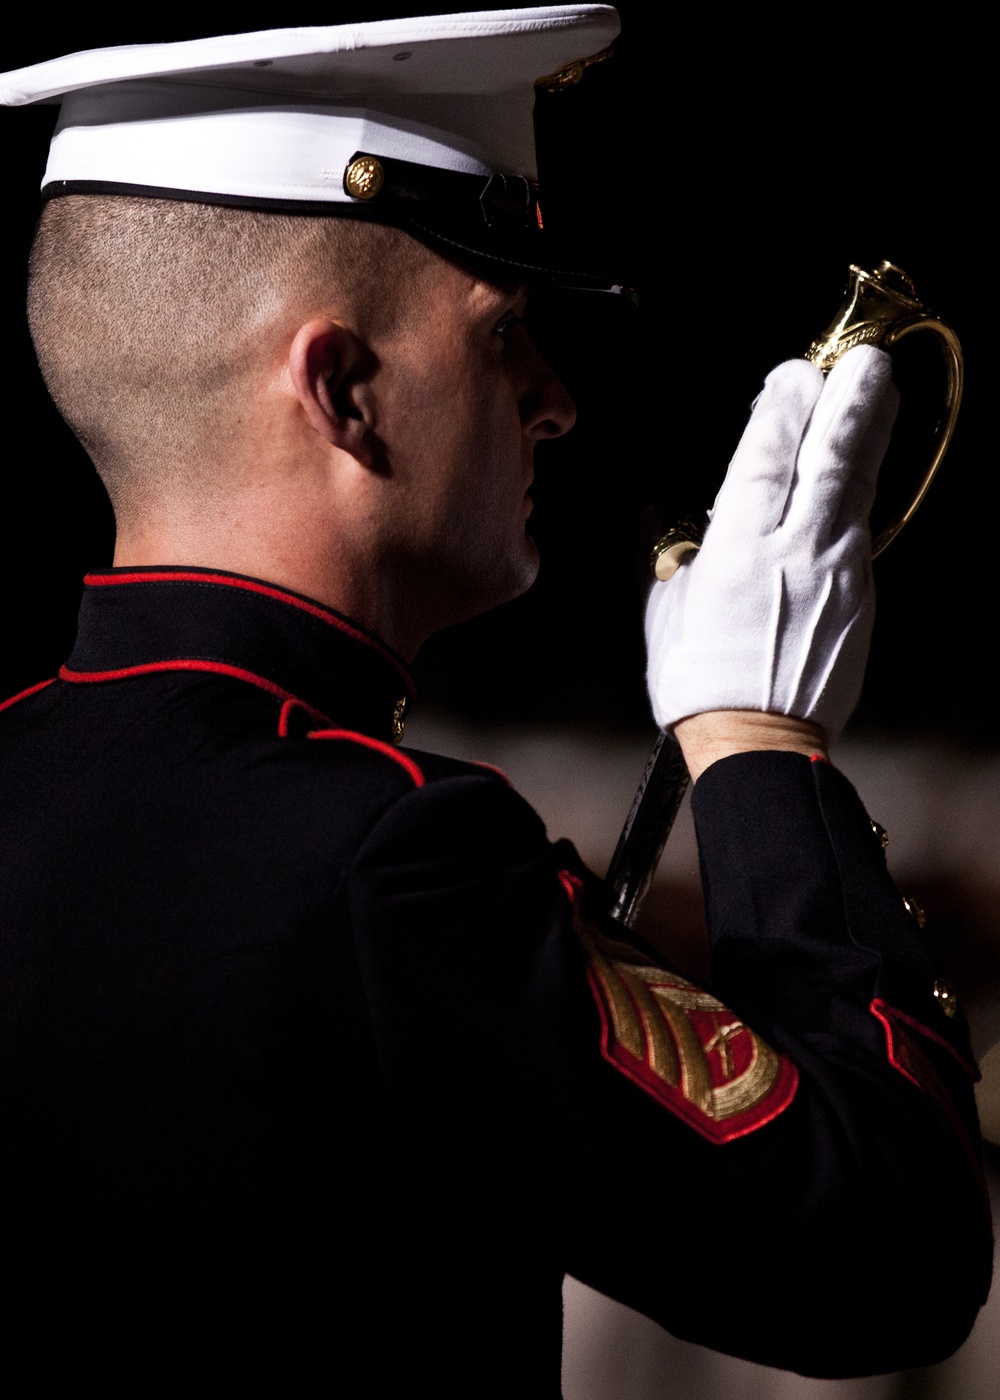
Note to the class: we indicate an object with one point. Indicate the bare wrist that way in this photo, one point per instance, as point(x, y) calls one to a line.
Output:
point(706, 738)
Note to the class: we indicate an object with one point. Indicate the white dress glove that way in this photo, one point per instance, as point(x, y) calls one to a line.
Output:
point(775, 611)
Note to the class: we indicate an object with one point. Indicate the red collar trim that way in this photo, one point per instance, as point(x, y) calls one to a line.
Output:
point(252, 586)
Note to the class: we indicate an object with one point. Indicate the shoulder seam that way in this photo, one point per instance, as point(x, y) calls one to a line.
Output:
point(490, 768)
point(23, 694)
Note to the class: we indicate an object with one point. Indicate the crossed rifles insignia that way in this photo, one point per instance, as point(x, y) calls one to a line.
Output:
point(681, 1044)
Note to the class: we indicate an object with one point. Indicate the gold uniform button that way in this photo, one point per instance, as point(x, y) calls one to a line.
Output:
point(880, 832)
point(945, 997)
point(915, 911)
point(399, 721)
point(364, 177)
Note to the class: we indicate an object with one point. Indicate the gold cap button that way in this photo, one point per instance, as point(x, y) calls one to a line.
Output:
point(570, 74)
point(364, 177)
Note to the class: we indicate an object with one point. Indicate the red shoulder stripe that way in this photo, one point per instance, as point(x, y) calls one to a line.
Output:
point(287, 710)
point(23, 694)
point(366, 741)
point(491, 768)
point(217, 668)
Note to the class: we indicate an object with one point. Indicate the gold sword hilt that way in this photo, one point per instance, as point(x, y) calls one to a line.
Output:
point(880, 308)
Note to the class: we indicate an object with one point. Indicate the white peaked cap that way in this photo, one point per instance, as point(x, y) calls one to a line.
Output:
point(442, 106)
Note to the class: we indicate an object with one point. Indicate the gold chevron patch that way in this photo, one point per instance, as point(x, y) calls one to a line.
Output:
point(682, 1045)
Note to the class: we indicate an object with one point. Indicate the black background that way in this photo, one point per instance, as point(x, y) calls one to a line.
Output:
point(734, 169)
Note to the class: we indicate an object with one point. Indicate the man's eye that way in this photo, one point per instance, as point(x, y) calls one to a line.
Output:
point(502, 327)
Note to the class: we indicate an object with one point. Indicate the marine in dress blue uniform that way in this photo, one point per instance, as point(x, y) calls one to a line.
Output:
point(317, 1051)
point(321, 1064)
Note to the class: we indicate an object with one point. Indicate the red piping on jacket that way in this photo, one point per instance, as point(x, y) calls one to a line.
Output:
point(287, 710)
point(216, 668)
point(879, 1007)
point(353, 737)
point(890, 1045)
point(572, 884)
point(23, 694)
point(931, 1083)
point(250, 586)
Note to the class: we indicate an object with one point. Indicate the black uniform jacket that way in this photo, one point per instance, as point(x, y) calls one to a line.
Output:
point(319, 1062)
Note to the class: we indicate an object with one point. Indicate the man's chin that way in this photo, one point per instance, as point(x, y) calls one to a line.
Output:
point(529, 562)
point(511, 578)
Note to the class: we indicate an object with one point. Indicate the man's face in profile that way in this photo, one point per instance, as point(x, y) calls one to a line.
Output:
point(467, 398)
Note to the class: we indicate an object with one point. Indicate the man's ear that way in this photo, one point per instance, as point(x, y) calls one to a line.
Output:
point(328, 365)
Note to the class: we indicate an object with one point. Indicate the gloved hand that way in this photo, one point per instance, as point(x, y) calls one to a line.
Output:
point(775, 611)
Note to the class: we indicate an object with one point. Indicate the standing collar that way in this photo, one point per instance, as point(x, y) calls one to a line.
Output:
point(136, 622)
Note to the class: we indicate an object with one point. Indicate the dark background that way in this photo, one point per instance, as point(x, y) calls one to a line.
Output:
point(733, 171)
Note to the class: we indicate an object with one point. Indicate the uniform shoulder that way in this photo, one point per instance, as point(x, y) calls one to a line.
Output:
point(346, 771)
point(438, 767)
point(401, 804)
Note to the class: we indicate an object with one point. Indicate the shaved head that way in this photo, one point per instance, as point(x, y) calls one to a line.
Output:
point(322, 402)
point(153, 320)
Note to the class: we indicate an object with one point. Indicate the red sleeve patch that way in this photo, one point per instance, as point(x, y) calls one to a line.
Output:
point(903, 1049)
point(906, 1044)
point(681, 1045)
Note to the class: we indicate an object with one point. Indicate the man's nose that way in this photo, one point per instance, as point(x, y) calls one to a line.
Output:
point(547, 410)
